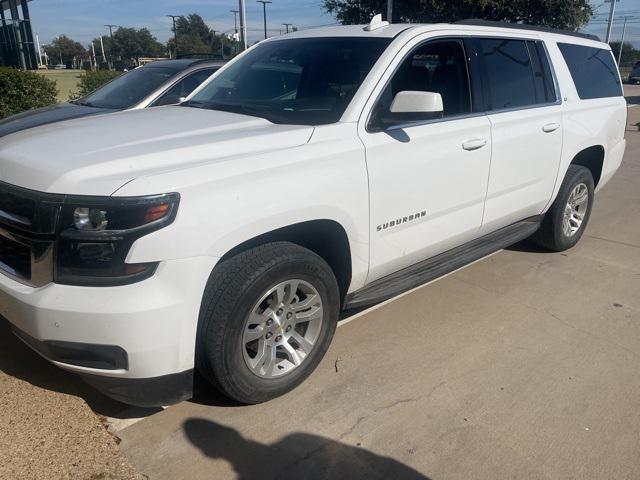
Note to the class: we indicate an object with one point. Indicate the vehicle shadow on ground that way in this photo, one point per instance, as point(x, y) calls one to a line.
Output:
point(19, 361)
point(299, 455)
point(635, 100)
point(527, 246)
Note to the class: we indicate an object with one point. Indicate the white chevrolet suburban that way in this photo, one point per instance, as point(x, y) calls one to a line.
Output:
point(318, 171)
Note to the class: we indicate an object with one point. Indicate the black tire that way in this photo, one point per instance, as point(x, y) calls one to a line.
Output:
point(551, 235)
point(231, 293)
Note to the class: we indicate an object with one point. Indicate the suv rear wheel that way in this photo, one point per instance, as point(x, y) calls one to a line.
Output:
point(566, 220)
point(267, 319)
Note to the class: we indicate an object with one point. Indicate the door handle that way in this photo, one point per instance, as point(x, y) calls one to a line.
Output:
point(550, 127)
point(474, 144)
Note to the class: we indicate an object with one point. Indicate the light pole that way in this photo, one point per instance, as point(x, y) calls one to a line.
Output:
point(104, 56)
point(612, 11)
point(264, 14)
point(235, 19)
point(243, 24)
point(390, 11)
point(288, 25)
point(110, 27)
point(175, 32)
point(624, 30)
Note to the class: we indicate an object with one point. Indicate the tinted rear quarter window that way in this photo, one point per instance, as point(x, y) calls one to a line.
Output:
point(593, 70)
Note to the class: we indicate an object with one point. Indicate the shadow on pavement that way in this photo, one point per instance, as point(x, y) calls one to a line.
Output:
point(19, 361)
point(296, 456)
point(634, 100)
point(527, 246)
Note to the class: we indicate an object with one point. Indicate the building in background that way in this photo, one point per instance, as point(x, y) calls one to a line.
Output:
point(17, 48)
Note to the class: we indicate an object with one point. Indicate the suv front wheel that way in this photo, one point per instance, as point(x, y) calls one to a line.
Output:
point(566, 220)
point(267, 319)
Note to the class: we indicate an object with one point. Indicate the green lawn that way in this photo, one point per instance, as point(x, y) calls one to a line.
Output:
point(66, 80)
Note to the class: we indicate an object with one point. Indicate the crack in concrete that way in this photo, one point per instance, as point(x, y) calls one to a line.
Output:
point(284, 473)
point(613, 241)
point(377, 410)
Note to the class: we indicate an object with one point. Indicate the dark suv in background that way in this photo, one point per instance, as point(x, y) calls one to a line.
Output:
point(164, 82)
point(634, 76)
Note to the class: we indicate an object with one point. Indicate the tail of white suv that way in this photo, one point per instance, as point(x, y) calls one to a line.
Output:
point(318, 171)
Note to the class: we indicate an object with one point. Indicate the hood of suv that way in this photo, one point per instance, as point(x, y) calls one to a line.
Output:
point(97, 155)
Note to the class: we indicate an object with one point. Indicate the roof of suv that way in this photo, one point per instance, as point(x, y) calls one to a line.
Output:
point(390, 31)
point(184, 63)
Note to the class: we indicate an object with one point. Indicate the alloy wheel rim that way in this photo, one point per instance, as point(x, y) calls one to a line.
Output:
point(575, 210)
point(282, 328)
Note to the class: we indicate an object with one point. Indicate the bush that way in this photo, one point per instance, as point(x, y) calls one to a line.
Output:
point(23, 90)
point(91, 81)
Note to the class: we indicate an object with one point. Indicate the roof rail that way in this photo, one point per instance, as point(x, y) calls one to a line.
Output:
point(520, 26)
point(200, 56)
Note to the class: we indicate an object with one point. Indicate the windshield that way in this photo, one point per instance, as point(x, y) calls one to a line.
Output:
point(308, 81)
point(128, 89)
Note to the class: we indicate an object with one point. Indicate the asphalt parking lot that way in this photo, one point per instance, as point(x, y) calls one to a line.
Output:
point(522, 365)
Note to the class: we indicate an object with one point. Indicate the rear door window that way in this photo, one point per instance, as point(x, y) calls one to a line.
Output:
point(184, 87)
point(509, 73)
point(593, 70)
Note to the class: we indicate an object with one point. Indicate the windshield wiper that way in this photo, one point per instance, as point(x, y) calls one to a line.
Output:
point(84, 103)
point(262, 111)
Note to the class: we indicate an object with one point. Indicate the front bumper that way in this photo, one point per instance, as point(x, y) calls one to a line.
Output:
point(152, 324)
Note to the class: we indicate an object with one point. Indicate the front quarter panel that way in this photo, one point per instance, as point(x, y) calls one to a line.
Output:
point(227, 203)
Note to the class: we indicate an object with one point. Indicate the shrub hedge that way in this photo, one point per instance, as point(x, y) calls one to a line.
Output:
point(23, 90)
point(91, 81)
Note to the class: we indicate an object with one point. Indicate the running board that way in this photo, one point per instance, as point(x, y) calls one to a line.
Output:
point(432, 268)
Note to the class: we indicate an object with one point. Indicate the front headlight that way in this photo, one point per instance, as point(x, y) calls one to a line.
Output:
point(97, 233)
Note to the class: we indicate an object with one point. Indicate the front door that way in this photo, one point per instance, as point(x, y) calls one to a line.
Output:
point(427, 178)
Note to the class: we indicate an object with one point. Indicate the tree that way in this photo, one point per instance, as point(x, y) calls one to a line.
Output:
point(188, 44)
point(130, 44)
point(195, 37)
point(566, 14)
point(630, 54)
point(64, 49)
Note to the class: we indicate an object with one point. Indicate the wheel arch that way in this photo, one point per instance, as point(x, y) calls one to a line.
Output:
point(591, 158)
point(327, 238)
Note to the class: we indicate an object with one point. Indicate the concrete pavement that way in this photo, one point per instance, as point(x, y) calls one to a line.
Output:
point(524, 365)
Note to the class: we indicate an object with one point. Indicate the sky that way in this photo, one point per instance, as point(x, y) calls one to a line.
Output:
point(84, 20)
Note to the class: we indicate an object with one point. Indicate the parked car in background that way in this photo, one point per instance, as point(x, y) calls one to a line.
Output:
point(323, 170)
point(634, 76)
point(164, 82)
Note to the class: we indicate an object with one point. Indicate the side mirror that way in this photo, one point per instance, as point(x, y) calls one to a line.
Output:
point(417, 102)
point(407, 106)
point(169, 100)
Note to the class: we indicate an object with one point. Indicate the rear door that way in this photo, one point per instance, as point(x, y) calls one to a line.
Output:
point(522, 104)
